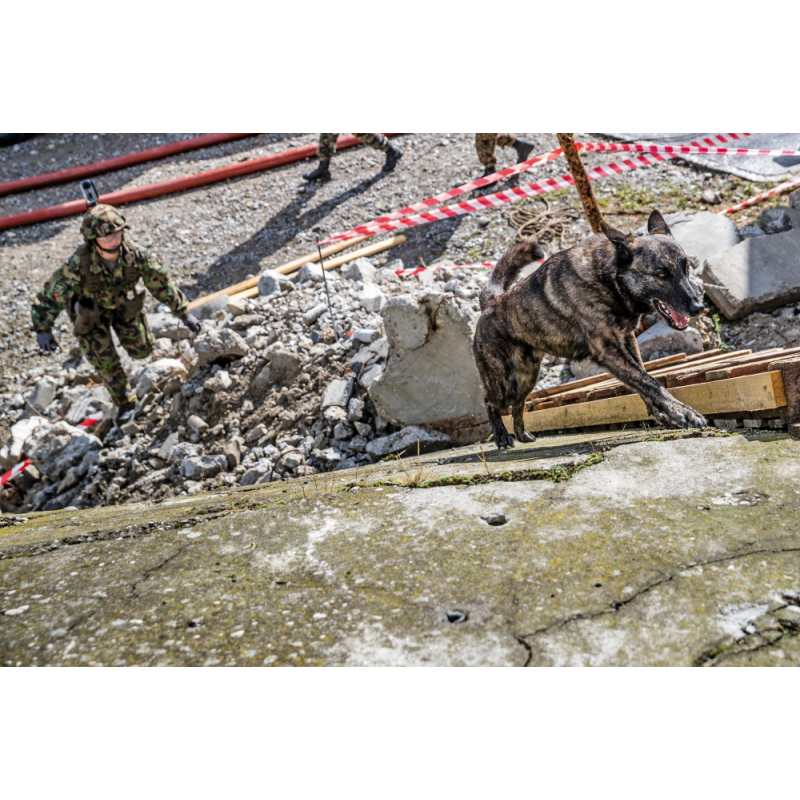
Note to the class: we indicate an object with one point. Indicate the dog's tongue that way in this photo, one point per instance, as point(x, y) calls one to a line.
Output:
point(678, 319)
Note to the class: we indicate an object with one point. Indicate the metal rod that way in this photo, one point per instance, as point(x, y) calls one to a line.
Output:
point(327, 293)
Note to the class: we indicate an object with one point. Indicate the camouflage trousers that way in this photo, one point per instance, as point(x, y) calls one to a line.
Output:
point(99, 349)
point(327, 143)
point(485, 144)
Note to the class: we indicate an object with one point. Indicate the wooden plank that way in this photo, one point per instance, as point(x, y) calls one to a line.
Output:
point(662, 375)
point(698, 375)
point(249, 283)
point(749, 392)
point(605, 376)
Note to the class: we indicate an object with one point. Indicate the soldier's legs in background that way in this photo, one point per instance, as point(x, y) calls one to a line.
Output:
point(327, 146)
point(484, 145)
point(135, 336)
point(377, 141)
point(99, 349)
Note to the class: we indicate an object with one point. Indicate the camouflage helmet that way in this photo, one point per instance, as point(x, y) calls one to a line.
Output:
point(102, 220)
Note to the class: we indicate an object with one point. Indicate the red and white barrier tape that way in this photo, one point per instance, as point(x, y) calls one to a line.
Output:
point(89, 421)
point(780, 188)
point(14, 471)
point(383, 223)
point(23, 465)
point(478, 183)
point(677, 150)
point(501, 198)
point(391, 222)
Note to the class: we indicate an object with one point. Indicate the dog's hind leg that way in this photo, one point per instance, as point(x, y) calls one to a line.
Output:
point(527, 375)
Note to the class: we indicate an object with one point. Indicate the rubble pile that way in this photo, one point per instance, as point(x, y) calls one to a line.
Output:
point(266, 391)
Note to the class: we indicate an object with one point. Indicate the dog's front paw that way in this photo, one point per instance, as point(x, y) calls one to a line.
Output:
point(503, 440)
point(527, 436)
point(674, 414)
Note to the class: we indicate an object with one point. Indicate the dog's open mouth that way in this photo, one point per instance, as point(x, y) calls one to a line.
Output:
point(673, 318)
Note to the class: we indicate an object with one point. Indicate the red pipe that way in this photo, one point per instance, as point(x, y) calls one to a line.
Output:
point(87, 170)
point(176, 185)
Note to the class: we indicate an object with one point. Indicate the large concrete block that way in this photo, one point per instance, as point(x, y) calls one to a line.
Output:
point(703, 234)
point(759, 274)
point(662, 339)
point(431, 378)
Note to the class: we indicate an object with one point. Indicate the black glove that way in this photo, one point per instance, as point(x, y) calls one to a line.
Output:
point(47, 342)
point(190, 321)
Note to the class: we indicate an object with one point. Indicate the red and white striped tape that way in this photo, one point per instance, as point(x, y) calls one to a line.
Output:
point(780, 188)
point(478, 183)
point(14, 471)
point(501, 198)
point(677, 150)
point(89, 421)
point(391, 222)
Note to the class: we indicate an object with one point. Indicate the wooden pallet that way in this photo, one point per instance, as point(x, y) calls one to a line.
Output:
point(734, 389)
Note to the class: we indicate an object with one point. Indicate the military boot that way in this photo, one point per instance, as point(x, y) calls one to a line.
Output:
point(523, 149)
point(393, 155)
point(124, 415)
point(321, 173)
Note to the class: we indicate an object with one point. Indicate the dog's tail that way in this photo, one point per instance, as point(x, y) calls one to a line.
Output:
point(507, 269)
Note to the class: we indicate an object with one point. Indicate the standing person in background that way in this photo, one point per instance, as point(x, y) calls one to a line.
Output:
point(485, 144)
point(327, 147)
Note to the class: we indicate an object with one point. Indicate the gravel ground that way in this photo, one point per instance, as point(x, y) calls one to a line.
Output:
point(217, 235)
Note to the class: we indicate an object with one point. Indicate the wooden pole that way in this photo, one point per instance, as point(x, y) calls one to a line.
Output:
point(370, 250)
point(582, 184)
point(283, 269)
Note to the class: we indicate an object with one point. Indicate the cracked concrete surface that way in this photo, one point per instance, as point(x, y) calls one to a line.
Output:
point(679, 552)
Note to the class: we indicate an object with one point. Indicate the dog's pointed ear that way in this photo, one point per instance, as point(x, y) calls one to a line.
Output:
point(657, 225)
point(622, 242)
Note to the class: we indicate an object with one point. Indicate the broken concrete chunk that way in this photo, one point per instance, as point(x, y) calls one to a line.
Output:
point(166, 374)
point(254, 434)
point(197, 424)
point(168, 445)
point(167, 326)
point(775, 220)
point(281, 370)
point(236, 306)
point(213, 309)
point(58, 447)
point(195, 468)
point(430, 376)
point(309, 272)
point(662, 339)
point(362, 269)
point(270, 283)
point(337, 393)
point(794, 200)
point(750, 231)
point(313, 314)
point(335, 413)
point(260, 472)
point(232, 450)
point(406, 439)
point(183, 450)
point(44, 392)
point(371, 298)
point(355, 409)
point(758, 275)
point(702, 234)
point(370, 375)
point(219, 346)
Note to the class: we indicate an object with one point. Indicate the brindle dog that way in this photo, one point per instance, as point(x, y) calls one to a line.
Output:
point(585, 302)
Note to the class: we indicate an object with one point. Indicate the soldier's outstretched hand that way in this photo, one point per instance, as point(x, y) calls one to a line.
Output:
point(191, 322)
point(47, 342)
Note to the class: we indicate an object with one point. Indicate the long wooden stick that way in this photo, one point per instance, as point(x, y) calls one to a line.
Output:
point(291, 266)
point(582, 184)
point(371, 250)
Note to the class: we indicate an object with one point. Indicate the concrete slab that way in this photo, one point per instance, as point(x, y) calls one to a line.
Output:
point(675, 552)
point(759, 274)
point(754, 168)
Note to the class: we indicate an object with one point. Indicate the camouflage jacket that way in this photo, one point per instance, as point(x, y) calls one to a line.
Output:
point(75, 279)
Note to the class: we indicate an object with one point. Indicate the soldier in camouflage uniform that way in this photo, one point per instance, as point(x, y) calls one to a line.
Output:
point(97, 287)
point(486, 142)
point(327, 147)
